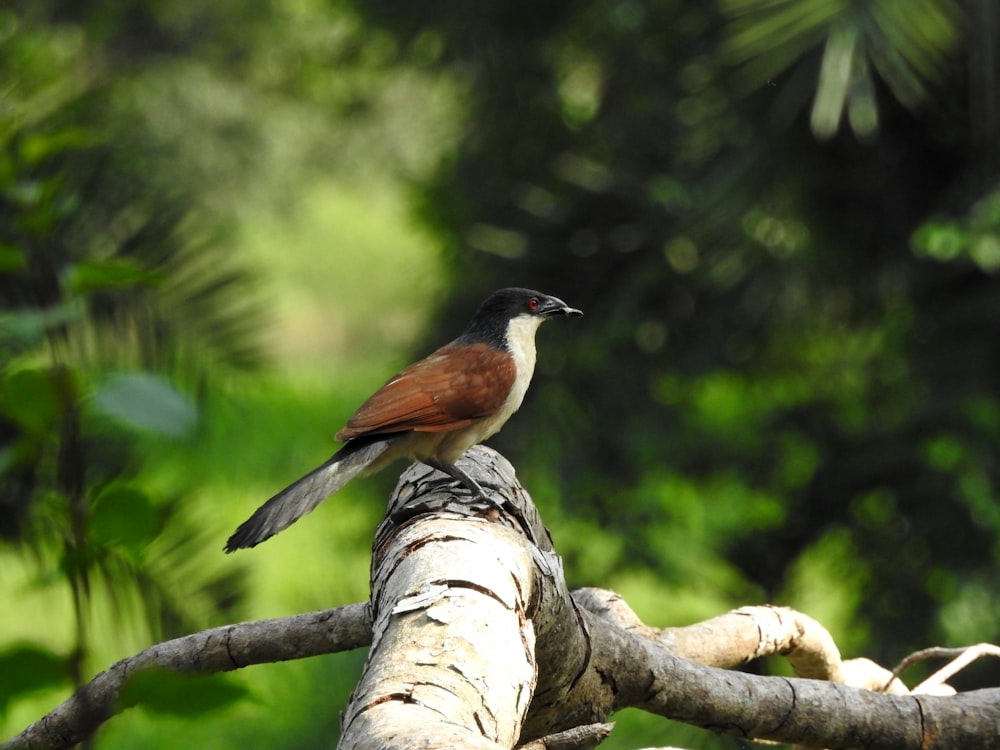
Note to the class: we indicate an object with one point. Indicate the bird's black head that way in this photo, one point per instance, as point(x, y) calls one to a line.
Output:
point(492, 319)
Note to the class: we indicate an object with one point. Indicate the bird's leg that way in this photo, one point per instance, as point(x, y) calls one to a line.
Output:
point(465, 480)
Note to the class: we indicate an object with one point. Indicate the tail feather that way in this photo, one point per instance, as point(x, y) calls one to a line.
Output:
point(300, 497)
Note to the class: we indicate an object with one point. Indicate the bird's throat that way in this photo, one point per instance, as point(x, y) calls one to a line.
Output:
point(521, 345)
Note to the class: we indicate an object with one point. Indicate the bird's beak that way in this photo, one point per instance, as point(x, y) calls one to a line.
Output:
point(552, 306)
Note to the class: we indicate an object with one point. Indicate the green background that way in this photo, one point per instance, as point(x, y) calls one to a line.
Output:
point(222, 226)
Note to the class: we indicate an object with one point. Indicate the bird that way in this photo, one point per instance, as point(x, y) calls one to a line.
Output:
point(432, 411)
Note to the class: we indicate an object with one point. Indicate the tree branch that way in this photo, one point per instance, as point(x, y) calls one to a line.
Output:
point(748, 633)
point(216, 650)
point(477, 642)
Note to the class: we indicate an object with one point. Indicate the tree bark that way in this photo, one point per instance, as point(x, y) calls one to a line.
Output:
point(216, 650)
point(476, 642)
point(436, 552)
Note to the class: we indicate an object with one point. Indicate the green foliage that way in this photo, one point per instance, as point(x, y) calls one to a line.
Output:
point(827, 580)
point(30, 400)
point(124, 156)
point(183, 695)
point(904, 45)
point(976, 237)
point(106, 273)
point(112, 309)
point(145, 402)
point(123, 516)
point(26, 668)
point(22, 329)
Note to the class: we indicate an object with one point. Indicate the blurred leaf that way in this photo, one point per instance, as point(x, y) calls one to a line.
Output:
point(178, 694)
point(30, 399)
point(984, 413)
point(985, 250)
point(944, 452)
point(905, 43)
point(25, 668)
point(111, 273)
point(146, 402)
point(110, 257)
point(73, 562)
point(36, 147)
point(27, 327)
point(834, 79)
point(827, 582)
point(123, 515)
point(941, 240)
point(26, 193)
point(975, 236)
point(11, 258)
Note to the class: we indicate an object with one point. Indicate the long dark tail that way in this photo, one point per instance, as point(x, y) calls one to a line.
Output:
point(293, 502)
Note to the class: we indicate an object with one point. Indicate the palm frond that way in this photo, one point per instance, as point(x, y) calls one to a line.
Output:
point(846, 41)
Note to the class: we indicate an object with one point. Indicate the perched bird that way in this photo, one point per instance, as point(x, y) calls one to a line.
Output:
point(433, 411)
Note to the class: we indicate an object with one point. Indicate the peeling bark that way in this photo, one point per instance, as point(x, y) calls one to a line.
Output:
point(477, 643)
point(593, 656)
point(453, 654)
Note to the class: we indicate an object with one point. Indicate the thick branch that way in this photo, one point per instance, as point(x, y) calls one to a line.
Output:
point(589, 665)
point(452, 662)
point(749, 633)
point(479, 640)
point(794, 710)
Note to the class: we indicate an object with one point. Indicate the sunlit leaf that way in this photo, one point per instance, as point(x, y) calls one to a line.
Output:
point(177, 694)
point(146, 402)
point(834, 79)
point(113, 273)
point(862, 109)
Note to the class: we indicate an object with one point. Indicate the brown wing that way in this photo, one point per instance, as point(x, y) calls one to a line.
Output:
point(448, 390)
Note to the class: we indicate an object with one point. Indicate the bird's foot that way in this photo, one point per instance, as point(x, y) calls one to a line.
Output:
point(487, 492)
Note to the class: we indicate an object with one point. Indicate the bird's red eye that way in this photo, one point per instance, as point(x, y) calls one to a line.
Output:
point(533, 303)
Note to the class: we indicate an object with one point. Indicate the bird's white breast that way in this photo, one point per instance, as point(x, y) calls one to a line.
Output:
point(521, 345)
point(521, 341)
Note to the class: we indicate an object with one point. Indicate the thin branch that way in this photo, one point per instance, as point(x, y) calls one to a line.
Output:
point(219, 649)
point(577, 738)
point(961, 658)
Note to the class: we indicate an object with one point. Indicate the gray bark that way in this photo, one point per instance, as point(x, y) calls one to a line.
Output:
point(476, 642)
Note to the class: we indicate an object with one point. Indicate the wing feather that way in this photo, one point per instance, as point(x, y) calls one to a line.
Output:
point(448, 390)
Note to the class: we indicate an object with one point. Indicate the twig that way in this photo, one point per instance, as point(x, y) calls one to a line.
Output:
point(960, 659)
